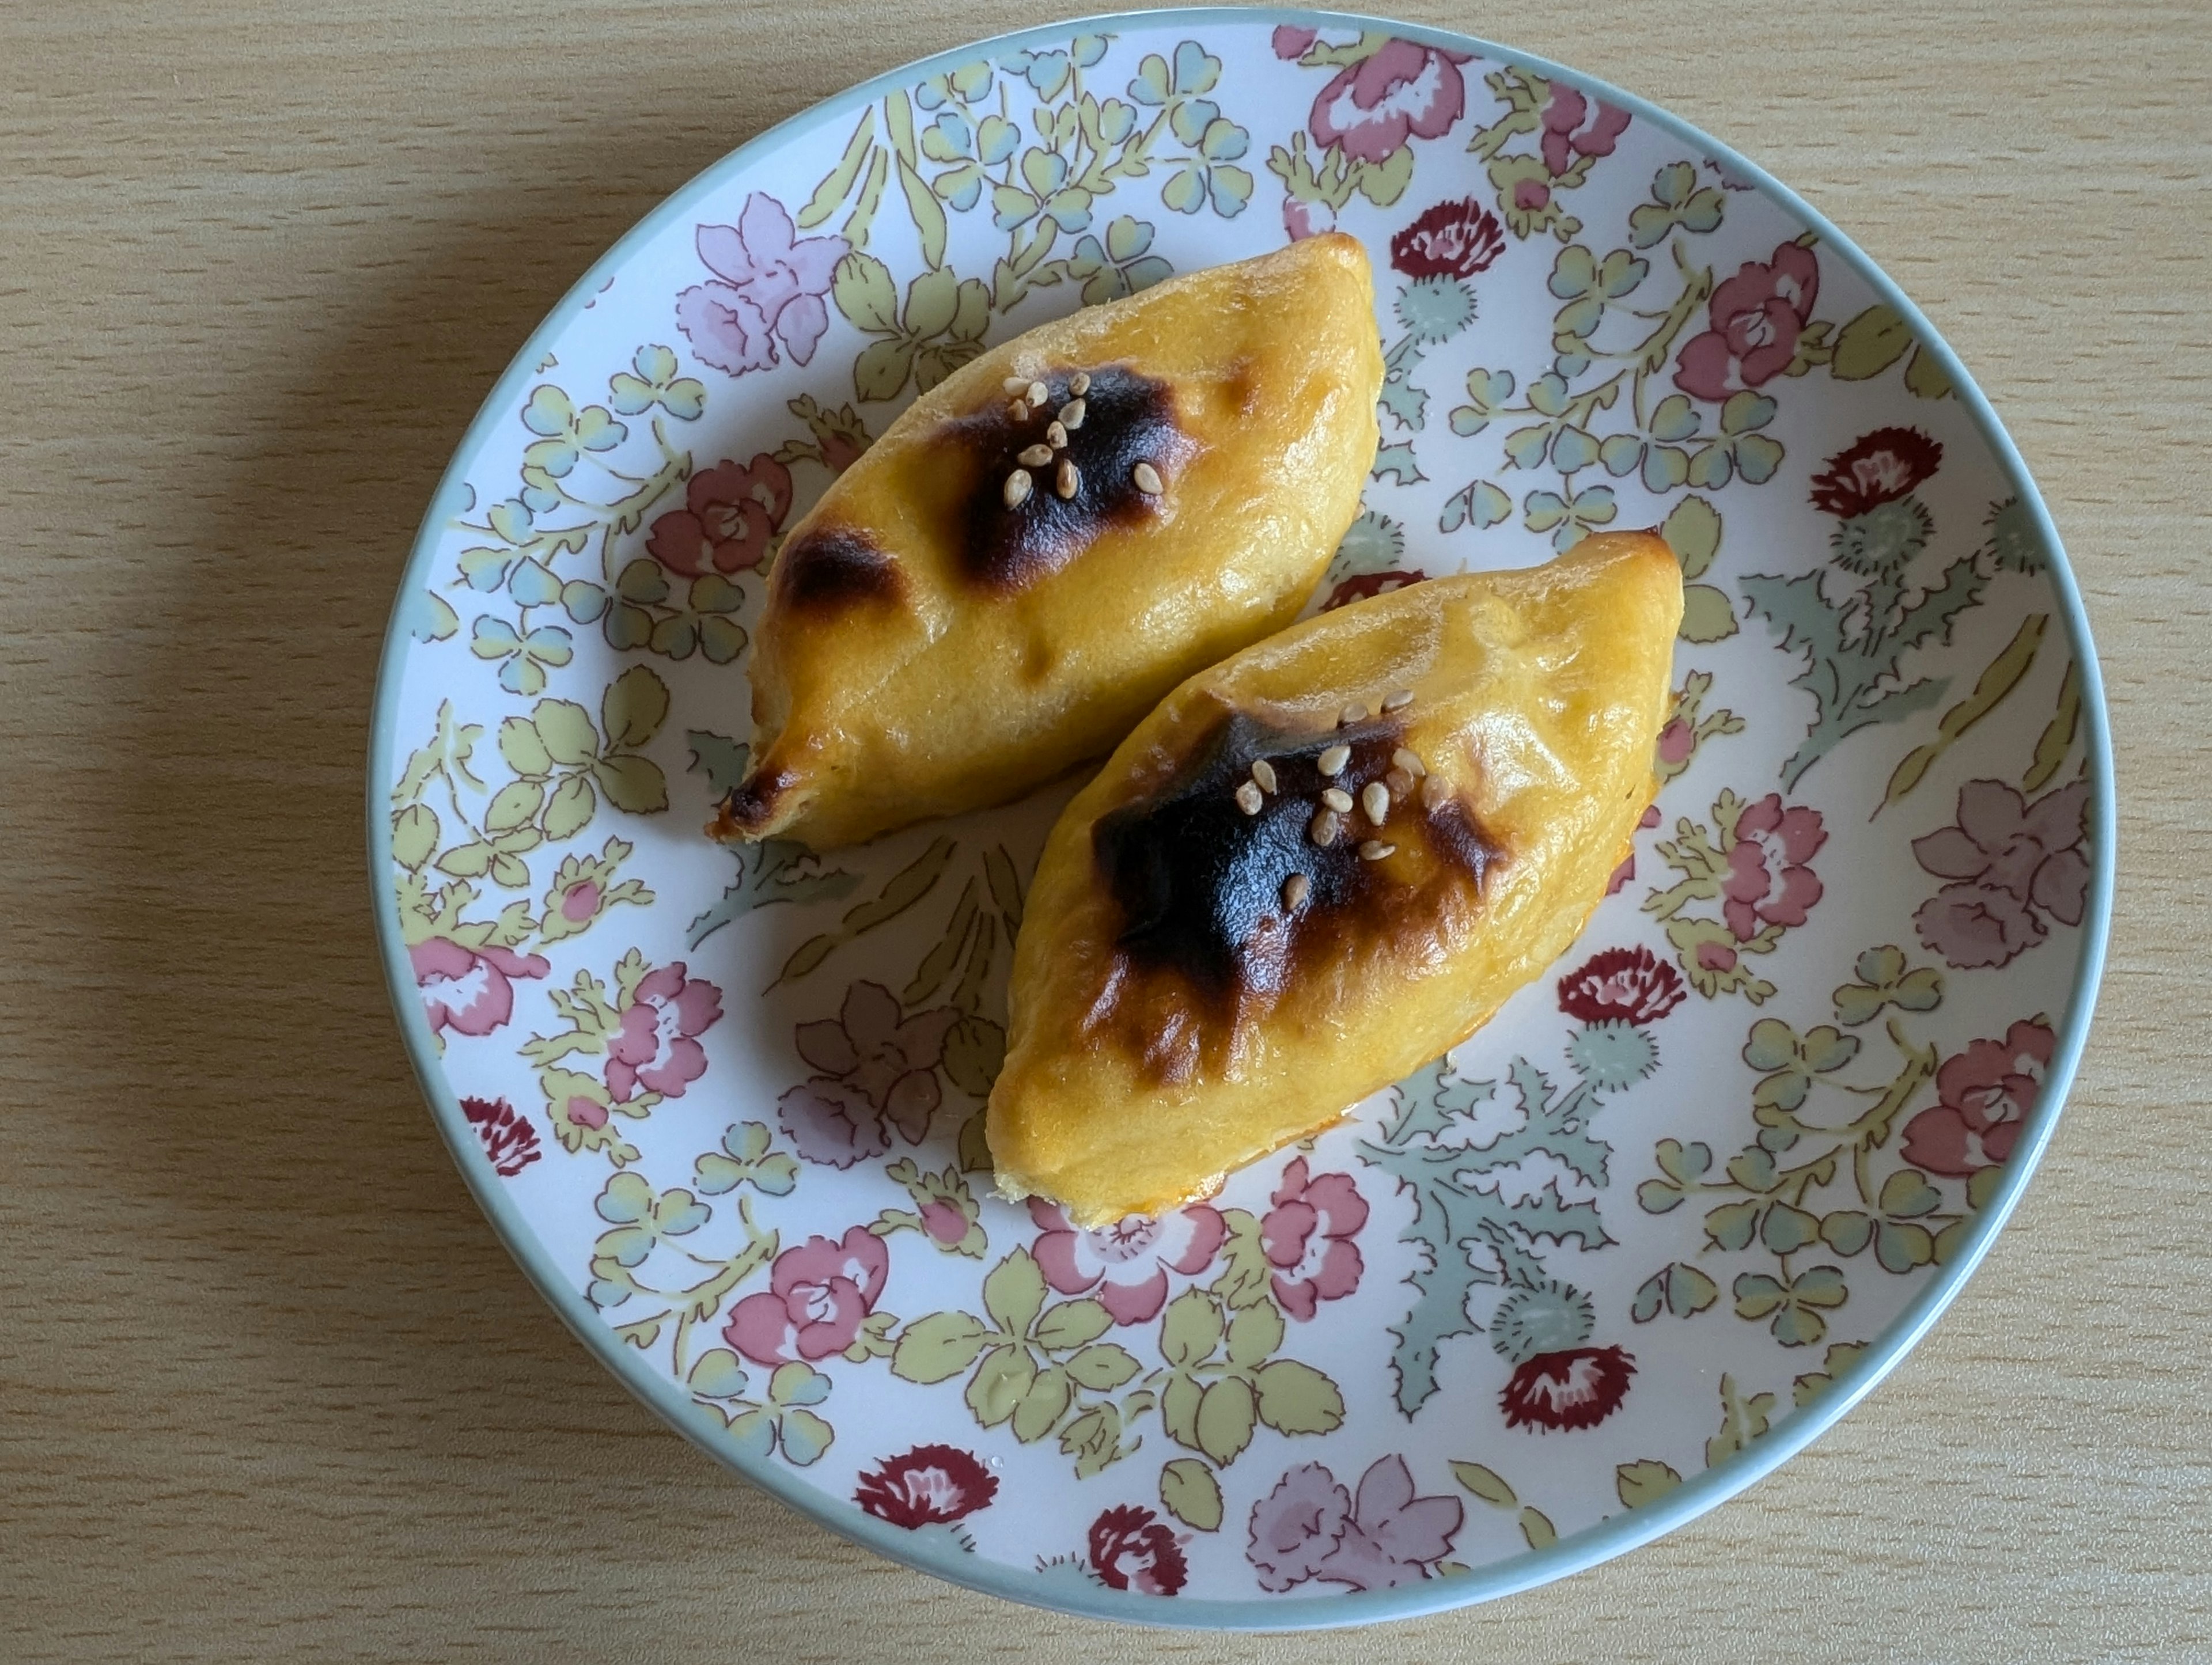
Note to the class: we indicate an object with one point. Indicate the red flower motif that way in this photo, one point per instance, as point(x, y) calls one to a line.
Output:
point(1307, 1237)
point(1126, 1264)
point(1401, 90)
point(878, 1070)
point(930, 1485)
point(1888, 464)
point(509, 1141)
point(817, 1294)
point(2006, 857)
point(1132, 1548)
point(467, 990)
point(1452, 240)
point(657, 1048)
point(1577, 1389)
point(1361, 585)
point(1988, 1092)
point(1768, 881)
point(1578, 126)
point(1622, 985)
point(730, 511)
point(1756, 317)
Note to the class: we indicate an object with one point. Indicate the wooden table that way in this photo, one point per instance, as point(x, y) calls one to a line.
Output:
point(269, 1387)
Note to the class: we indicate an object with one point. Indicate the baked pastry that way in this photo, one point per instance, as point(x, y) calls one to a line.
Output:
point(1052, 538)
point(1322, 863)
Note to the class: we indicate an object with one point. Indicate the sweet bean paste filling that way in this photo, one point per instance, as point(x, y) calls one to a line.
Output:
point(1201, 884)
point(1127, 418)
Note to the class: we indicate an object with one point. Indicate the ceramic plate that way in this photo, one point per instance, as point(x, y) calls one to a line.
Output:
point(1662, 1221)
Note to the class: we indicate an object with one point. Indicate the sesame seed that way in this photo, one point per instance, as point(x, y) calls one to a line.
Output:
point(1055, 436)
point(1332, 761)
point(1017, 412)
point(1399, 701)
point(1354, 712)
point(1433, 793)
point(1338, 799)
point(1249, 799)
point(1079, 383)
point(1401, 785)
point(1073, 412)
point(1375, 799)
point(1296, 888)
point(1264, 773)
point(1015, 383)
point(1038, 394)
point(1147, 478)
point(1374, 849)
point(1406, 760)
point(1036, 456)
point(1322, 829)
point(1018, 488)
point(1067, 480)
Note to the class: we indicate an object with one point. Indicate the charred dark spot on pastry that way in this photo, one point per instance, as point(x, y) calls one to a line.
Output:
point(1231, 899)
point(750, 803)
point(1042, 489)
point(834, 567)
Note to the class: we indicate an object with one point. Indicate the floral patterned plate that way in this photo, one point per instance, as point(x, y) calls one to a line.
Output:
point(1669, 1215)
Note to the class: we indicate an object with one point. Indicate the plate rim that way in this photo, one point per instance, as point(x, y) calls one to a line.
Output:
point(1616, 1534)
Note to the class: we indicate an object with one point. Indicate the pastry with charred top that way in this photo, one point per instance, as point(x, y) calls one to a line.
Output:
point(1052, 538)
point(1321, 864)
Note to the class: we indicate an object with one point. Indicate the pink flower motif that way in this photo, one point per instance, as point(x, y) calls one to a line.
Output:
point(929, 1485)
point(580, 901)
point(657, 1048)
point(1302, 220)
point(509, 1141)
point(1768, 881)
point(586, 1112)
point(1988, 1092)
point(730, 511)
point(1715, 957)
point(816, 1297)
point(2006, 857)
point(875, 1067)
point(1402, 90)
point(1530, 195)
point(944, 1222)
point(1577, 126)
point(467, 990)
point(767, 288)
point(1625, 873)
point(1579, 1387)
point(1307, 1237)
point(1677, 741)
point(1310, 1527)
point(1291, 42)
point(1126, 1264)
point(1755, 319)
point(1132, 1548)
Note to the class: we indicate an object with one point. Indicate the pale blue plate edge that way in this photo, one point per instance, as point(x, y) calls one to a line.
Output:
point(1610, 1537)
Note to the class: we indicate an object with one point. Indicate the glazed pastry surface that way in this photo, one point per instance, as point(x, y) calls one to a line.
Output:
point(1051, 538)
point(1322, 863)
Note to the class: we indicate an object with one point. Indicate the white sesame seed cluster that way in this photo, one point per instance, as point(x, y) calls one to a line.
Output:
point(1028, 397)
point(1376, 799)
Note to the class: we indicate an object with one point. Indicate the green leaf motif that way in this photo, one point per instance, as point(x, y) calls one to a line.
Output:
point(1190, 1493)
point(939, 1347)
point(1227, 1411)
point(1486, 1483)
point(1295, 1398)
point(1642, 1483)
point(1013, 1293)
point(1190, 1329)
point(1001, 1381)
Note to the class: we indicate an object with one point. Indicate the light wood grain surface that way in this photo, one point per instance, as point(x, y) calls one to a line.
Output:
point(268, 1386)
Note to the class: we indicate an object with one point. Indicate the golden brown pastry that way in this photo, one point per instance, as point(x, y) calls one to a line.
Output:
point(1321, 864)
point(1051, 538)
